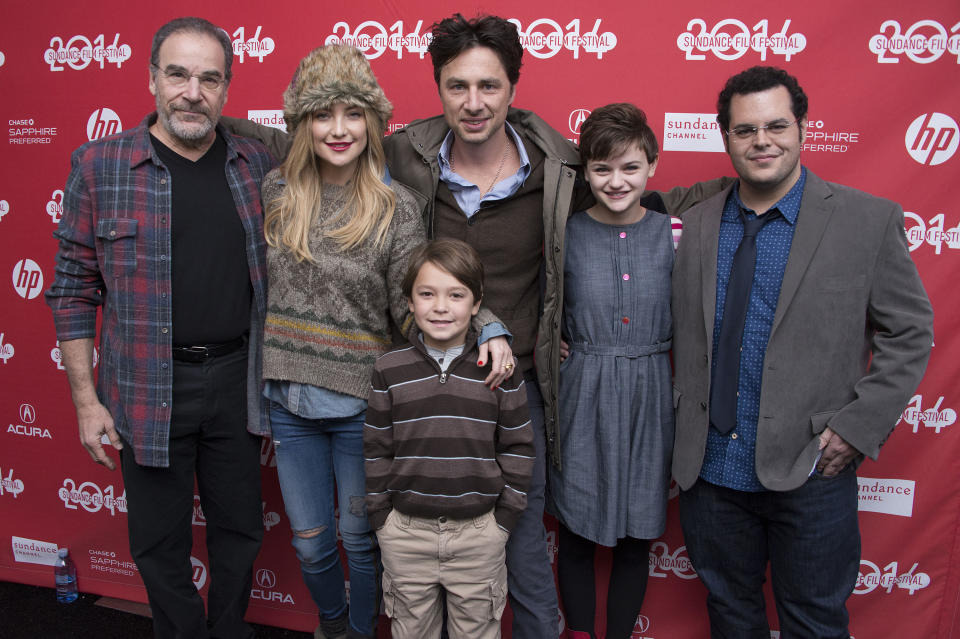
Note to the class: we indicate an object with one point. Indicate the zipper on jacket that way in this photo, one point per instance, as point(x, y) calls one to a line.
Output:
point(442, 374)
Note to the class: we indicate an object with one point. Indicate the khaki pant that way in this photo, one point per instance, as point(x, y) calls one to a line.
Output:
point(424, 557)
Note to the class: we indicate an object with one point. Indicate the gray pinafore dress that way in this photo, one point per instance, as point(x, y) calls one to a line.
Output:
point(616, 411)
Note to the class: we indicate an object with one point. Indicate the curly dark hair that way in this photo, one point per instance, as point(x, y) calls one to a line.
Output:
point(755, 80)
point(609, 130)
point(452, 36)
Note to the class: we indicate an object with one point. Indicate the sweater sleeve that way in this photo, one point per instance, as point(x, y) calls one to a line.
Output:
point(409, 233)
point(270, 188)
point(378, 449)
point(514, 450)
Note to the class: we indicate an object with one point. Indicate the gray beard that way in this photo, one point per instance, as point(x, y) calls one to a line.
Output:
point(191, 137)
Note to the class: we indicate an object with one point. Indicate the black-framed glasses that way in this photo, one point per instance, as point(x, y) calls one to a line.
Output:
point(179, 78)
point(748, 132)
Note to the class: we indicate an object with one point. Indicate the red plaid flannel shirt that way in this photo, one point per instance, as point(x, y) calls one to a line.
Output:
point(115, 241)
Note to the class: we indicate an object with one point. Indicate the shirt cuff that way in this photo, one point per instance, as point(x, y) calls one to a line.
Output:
point(494, 329)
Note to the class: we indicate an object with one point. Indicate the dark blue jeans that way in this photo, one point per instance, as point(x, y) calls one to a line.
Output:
point(530, 584)
point(811, 538)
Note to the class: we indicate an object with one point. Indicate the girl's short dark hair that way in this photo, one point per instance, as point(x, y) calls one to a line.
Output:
point(456, 257)
point(609, 130)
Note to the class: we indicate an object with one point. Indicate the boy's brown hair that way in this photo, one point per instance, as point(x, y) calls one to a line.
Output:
point(457, 258)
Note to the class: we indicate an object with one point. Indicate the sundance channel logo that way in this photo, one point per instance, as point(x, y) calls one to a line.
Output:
point(886, 496)
point(33, 551)
point(268, 117)
point(692, 132)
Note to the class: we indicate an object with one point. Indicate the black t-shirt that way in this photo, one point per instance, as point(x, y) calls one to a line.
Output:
point(210, 278)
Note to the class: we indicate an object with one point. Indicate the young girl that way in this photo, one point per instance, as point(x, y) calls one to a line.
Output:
point(448, 459)
point(615, 434)
point(339, 239)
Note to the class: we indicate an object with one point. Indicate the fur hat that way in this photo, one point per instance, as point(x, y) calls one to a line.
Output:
point(334, 73)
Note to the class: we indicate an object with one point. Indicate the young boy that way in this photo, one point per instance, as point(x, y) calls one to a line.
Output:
point(448, 460)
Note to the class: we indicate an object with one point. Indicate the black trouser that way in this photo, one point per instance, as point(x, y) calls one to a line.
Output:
point(209, 439)
point(628, 583)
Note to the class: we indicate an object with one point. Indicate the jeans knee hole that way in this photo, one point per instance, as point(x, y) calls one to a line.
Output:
point(309, 533)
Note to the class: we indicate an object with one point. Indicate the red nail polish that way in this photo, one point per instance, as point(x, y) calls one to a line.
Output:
point(480, 363)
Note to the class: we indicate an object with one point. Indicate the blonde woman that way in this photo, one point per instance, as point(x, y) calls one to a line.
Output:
point(339, 234)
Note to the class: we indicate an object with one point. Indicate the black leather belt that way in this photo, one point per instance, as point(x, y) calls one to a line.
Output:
point(206, 351)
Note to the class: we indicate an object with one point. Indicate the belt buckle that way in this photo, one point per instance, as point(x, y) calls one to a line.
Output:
point(200, 351)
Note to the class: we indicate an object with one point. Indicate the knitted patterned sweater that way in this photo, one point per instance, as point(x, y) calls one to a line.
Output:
point(442, 443)
point(329, 320)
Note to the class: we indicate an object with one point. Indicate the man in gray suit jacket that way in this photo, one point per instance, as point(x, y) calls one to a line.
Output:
point(797, 345)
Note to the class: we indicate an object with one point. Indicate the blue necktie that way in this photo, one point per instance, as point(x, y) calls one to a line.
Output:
point(726, 375)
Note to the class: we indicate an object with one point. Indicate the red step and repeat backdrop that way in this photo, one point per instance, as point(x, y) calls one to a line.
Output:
point(884, 86)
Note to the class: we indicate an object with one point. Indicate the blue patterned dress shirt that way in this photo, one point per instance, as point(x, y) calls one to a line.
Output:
point(730, 459)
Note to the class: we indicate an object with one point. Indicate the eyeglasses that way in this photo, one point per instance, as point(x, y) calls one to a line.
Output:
point(748, 132)
point(179, 78)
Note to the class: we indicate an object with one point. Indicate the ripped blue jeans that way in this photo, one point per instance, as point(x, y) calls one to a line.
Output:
point(320, 464)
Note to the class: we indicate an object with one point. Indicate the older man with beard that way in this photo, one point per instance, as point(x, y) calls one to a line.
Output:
point(162, 228)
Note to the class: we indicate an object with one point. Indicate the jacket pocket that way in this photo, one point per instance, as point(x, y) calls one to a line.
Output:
point(119, 239)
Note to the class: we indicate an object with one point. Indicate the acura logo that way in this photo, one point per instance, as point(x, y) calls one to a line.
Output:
point(27, 414)
point(266, 578)
point(642, 624)
point(577, 116)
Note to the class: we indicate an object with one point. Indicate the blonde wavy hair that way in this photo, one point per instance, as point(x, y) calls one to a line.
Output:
point(366, 214)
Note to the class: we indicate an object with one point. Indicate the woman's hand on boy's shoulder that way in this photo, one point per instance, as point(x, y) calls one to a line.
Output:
point(497, 351)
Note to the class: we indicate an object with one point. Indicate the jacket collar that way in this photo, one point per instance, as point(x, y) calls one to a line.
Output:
point(427, 136)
